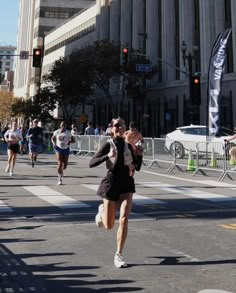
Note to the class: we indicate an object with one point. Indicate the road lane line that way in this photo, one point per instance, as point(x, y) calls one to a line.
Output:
point(55, 198)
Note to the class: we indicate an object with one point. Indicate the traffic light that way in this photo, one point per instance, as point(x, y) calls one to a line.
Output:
point(125, 56)
point(196, 89)
point(37, 57)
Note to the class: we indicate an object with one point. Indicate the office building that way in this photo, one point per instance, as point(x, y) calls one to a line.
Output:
point(177, 36)
point(36, 19)
point(6, 60)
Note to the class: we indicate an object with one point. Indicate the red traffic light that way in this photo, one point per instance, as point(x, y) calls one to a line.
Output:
point(196, 80)
point(125, 50)
point(37, 57)
point(37, 52)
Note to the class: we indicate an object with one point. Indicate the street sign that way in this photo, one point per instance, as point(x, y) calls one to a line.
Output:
point(24, 55)
point(143, 67)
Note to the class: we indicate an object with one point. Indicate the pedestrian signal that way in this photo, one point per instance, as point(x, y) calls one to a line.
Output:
point(37, 57)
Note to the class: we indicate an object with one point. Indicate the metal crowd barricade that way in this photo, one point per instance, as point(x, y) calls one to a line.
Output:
point(76, 146)
point(87, 144)
point(161, 155)
point(230, 162)
point(198, 158)
point(210, 156)
point(148, 150)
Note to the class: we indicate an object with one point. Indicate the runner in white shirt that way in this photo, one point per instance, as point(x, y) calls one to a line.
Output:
point(61, 140)
point(12, 137)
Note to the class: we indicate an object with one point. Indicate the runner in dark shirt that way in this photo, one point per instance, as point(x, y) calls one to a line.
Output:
point(35, 137)
point(117, 187)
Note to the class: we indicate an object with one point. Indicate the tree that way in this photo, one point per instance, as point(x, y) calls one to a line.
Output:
point(31, 108)
point(6, 101)
point(102, 67)
point(65, 86)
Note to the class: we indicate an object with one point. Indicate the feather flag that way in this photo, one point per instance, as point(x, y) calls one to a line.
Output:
point(215, 75)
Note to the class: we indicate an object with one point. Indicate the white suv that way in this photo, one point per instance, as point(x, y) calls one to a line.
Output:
point(184, 138)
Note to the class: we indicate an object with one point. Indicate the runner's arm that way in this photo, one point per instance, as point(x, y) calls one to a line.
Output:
point(100, 156)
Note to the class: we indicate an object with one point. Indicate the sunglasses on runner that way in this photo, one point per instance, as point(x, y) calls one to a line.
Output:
point(118, 125)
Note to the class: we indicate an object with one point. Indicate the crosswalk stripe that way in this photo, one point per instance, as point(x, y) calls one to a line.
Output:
point(55, 198)
point(137, 199)
point(4, 208)
point(189, 192)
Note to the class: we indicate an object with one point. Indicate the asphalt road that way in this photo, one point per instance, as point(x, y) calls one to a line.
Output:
point(182, 232)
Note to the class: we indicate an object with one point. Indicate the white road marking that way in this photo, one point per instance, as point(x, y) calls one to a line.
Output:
point(177, 252)
point(137, 199)
point(214, 291)
point(206, 182)
point(189, 192)
point(4, 208)
point(55, 198)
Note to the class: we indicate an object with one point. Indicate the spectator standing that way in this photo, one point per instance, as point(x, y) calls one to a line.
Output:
point(12, 137)
point(108, 130)
point(103, 130)
point(61, 140)
point(117, 187)
point(74, 130)
point(97, 129)
point(35, 137)
point(134, 137)
point(89, 130)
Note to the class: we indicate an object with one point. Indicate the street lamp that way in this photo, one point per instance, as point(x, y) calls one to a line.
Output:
point(189, 58)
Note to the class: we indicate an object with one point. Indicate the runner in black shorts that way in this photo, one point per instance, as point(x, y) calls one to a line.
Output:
point(12, 137)
point(117, 187)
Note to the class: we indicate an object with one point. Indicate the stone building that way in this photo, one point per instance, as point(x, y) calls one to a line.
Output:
point(160, 30)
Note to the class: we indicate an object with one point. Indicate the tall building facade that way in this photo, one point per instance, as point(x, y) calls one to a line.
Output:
point(176, 35)
point(36, 19)
point(6, 59)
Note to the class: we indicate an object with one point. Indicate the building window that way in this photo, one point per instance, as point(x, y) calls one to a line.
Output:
point(57, 12)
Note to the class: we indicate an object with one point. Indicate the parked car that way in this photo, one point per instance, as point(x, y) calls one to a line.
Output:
point(184, 138)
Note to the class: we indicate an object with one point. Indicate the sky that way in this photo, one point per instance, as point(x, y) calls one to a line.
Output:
point(8, 22)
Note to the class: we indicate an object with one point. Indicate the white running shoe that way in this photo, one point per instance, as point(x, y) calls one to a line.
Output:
point(11, 173)
point(98, 218)
point(7, 169)
point(119, 261)
point(59, 181)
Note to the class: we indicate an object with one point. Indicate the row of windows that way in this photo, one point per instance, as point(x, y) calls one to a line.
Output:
point(73, 32)
point(42, 30)
point(6, 63)
point(71, 39)
point(56, 12)
point(5, 52)
point(6, 68)
point(6, 57)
